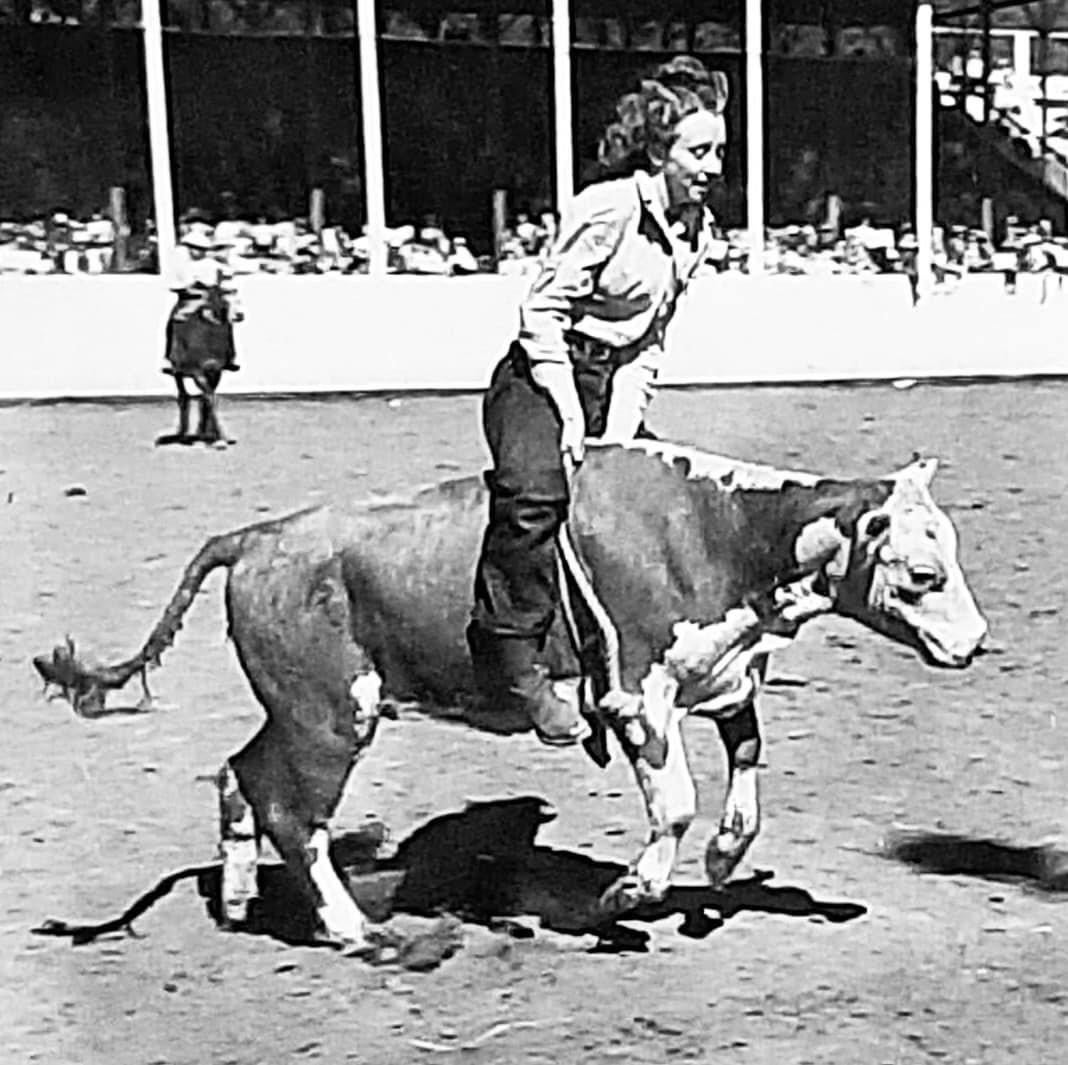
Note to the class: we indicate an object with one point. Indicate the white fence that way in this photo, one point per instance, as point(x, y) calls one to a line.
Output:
point(103, 337)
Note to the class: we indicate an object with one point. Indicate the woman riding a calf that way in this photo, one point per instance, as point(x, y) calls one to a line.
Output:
point(590, 346)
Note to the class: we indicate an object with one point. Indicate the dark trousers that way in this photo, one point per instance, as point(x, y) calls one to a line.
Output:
point(516, 590)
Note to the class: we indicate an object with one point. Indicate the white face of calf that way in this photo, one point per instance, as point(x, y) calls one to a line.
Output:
point(903, 577)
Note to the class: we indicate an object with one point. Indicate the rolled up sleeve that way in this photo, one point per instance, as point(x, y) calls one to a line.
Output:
point(569, 275)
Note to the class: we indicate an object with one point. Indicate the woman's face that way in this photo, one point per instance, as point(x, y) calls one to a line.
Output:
point(695, 158)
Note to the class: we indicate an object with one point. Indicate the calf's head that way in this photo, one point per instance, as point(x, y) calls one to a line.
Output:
point(896, 571)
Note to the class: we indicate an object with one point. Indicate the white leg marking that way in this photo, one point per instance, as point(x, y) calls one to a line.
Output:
point(366, 692)
point(238, 848)
point(738, 826)
point(341, 917)
point(652, 739)
point(671, 804)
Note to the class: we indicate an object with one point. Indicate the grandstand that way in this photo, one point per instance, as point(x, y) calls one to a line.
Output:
point(271, 99)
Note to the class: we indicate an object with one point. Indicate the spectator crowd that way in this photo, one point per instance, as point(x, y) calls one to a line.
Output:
point(63, 244)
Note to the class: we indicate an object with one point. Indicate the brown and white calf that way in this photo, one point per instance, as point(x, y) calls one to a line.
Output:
point(687, 568)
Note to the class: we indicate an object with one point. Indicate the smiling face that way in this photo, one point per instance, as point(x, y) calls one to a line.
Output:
point(694, 159)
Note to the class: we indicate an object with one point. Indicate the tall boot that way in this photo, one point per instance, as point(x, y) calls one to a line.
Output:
point(507, 669)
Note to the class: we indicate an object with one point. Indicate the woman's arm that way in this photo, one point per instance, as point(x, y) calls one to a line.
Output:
point(587, 241)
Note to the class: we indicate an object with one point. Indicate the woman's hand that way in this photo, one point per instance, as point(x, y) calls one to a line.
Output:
point(558, 379)
point(573, 443)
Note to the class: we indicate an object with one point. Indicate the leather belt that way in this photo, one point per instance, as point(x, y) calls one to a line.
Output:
point(585, 350)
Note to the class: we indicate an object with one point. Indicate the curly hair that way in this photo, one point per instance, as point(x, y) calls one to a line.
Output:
point(647, 117)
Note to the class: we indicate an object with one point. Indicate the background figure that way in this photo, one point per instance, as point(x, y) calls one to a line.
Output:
point(200, 332)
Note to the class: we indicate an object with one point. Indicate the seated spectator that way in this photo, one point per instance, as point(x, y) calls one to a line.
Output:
point(432, 236)
point(263, 237)
point(461, 259)
point(231, 227)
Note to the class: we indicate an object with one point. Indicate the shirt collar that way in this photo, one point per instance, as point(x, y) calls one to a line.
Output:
point(650, 197)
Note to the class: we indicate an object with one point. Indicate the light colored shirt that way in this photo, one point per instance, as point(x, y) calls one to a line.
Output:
point(194, 277)
point(189, 272)
point(614, 275)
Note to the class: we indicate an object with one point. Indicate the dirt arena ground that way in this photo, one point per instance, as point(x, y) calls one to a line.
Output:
point(827, 951)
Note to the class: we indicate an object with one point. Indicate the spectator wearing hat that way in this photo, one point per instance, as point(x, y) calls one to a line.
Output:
point(201, 283)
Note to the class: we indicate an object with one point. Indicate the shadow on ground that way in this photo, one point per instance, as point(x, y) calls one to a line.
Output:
point(1041, 868)
point(483, 866)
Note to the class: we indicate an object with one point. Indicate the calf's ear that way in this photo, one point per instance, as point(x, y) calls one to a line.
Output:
point(919, 471)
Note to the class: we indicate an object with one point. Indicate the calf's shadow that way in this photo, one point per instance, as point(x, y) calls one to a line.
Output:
point(481, 864)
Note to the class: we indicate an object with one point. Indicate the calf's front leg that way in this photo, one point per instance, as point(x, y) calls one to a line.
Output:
point(650, 732)
point(740, 821)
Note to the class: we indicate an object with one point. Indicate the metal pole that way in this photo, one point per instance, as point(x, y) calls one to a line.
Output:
point(371, 120)
point(754, 132)
point(565, 160)
point(988, 89)
point(924, 144)
point(159, 140)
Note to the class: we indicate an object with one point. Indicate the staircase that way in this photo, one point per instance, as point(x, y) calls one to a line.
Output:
point(1013, 132)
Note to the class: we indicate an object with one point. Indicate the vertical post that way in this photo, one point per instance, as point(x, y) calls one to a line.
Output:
point(159, 135)
point(1043, 81)
point(492, 148)
point(371, 121)
point(1021, 57)
point(317, 210)
point(988, 89)
point(117, 211)
point(754, 132)
point(565, 163)
point(924, 144)
point(988, 218)
point(500, 224)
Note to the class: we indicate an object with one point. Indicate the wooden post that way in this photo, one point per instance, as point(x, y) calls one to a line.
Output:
point(1043, 38)
point(988, 89)
point(565, 162)
point(924, 145)
point(159, 136)
point(988, 217)
point(494, 170)
point(317, 210)
point(500, 224)
point(117, 210)
point(754, 131)
point(371, 120)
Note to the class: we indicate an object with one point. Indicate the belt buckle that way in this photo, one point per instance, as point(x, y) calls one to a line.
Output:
point(593, 351)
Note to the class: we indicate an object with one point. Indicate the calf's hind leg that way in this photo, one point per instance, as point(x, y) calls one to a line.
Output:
point(239, 849)
point(292, 796)
point(292, 630)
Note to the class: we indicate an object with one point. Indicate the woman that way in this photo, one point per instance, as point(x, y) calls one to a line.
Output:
point(589, 349)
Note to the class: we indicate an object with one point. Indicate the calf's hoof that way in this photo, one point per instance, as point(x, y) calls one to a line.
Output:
point(722, 858)
point(625, 895)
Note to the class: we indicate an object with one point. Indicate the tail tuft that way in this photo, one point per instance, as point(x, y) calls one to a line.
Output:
point(74, 680)
point(85, 686)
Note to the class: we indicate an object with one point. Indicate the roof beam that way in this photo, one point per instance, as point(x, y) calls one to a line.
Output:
point(977, 9)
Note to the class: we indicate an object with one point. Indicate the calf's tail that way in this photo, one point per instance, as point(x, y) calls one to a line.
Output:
point(84, 686)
